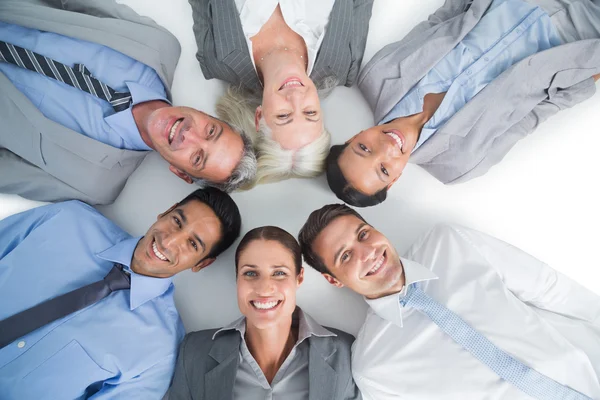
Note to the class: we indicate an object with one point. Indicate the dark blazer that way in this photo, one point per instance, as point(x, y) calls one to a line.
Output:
point(223, 52)
point(206, 368)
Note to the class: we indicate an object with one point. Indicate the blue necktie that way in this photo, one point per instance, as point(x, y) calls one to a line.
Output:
point(511, 370)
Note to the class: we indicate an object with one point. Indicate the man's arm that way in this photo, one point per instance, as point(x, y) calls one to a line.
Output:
point(534, 282)
point(15, 228)
point(150, 384)
point(596, 77)
point(360, 27)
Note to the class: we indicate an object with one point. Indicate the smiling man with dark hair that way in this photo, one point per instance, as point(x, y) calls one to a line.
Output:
point(468, 312)
point(86, 310)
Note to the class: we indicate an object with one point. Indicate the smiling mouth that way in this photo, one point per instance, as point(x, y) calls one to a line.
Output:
point(265, 305)
point(157, 252)
point(398, 138)
point(380, 263)
point(291, 82)
point(174, 129)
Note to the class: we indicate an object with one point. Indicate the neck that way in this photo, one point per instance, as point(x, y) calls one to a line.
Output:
point(431, 103)
point(268, 64)
point(141, 113)
point(271, 346)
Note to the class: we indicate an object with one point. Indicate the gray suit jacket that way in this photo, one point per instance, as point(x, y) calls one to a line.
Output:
point(206, 368)
point(43, 160)
point(223, 53)
point(509, 108)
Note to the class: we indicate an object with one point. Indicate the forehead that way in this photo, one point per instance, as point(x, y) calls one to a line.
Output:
point(201, 220)
point(338, 232)
point(266, 253)
point(297, 134)
point(360, 171)
point(224, 155)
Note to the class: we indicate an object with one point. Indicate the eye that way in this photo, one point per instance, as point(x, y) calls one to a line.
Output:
point(362, 235)
point(177, 221)
point(345, 256)
point(283, 116)
point(249, 274)
point(310, 113)
point(384, 170)
point(212, 131)
point(197, 160)
point(279, 273)
point(194, 245)
point(363, 147)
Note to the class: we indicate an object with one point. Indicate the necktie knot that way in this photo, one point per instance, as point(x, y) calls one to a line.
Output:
point(117, 278)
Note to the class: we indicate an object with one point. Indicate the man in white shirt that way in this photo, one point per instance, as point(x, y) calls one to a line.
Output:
point(534, 317)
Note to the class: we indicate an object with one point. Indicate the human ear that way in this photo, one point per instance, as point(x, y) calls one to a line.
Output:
point(257, 116)
point(332, 280)
point(180, 174)
point(203, 264)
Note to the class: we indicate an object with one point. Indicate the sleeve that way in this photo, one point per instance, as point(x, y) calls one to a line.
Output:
point(360, 29)
point(150, 384)
point(534, 282)
point(352, 392)
point(370, 391)
point(15, 228)
point(558, 99)
point(180, 389)
point(203, 32)
point(31, 182)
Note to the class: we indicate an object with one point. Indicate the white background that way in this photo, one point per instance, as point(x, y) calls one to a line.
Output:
point(543, 197)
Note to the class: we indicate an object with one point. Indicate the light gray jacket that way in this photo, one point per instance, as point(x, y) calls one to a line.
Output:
point(206, 368)
point(43, 160)
point(508, 109)
point(223, 52)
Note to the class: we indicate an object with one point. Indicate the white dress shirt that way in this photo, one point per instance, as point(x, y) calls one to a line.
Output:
point(308, 18)
point(526, 308)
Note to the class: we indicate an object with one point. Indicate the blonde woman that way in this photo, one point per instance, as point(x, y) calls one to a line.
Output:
point(279, 56)
point(275, 350)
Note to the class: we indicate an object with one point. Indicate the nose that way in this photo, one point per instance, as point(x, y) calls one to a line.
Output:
point(172, 241)
point(264, 286)
point(367, 252)
point(295, 95)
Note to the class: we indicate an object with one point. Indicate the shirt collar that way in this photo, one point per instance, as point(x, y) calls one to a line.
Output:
point(389, 307)
point(143, 288)
point(123, 121)
point(307, 326)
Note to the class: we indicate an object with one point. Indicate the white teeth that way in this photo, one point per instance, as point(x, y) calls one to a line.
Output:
point(292, 83)
point(158, 253)
point(264, 306)
point(173, 130)
point(377, 266)
point(396, 138)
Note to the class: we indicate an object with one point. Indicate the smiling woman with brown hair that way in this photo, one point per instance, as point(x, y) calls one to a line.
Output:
point(275, 350)
point(280, 56)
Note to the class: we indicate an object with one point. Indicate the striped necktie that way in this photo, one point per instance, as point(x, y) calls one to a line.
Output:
point(78, 77)
point(505, 366)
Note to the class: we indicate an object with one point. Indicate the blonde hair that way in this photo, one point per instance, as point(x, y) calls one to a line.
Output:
point(237, 107)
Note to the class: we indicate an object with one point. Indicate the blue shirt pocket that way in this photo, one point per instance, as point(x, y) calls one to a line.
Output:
point(68, 374)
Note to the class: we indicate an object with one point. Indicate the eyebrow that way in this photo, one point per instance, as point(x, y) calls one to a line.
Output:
point(358, 153)
point(313, 120)
point(337, 253)
point(179, 212)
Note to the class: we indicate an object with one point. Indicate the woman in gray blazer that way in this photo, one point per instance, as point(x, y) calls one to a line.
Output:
point(278, 57)
point(275, 350)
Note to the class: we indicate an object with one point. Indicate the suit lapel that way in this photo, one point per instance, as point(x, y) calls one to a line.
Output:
point(422, 57)
point(218, 382)
point(322, 378)
point(337, 33)
point(230, 43)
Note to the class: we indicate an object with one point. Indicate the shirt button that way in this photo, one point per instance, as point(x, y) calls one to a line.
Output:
point(21, 344)
point(518, 30)
point(469, 72)
point(486, 58)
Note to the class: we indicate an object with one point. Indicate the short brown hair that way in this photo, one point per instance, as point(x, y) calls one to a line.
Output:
point(275, 234)
point(314, 225)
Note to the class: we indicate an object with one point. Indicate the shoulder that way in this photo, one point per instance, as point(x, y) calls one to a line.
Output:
point(342, 339)
point(199, 340)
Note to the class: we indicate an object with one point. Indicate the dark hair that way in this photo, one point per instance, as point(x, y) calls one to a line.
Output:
point(340, 186)
point(225, 209)
point(316, 222)
point(275, 234)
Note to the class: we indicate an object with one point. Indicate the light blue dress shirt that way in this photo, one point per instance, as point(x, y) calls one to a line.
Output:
point(510, 31)
point(122, 347)
point(74, 108)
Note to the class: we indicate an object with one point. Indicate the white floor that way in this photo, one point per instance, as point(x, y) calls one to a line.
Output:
point(543, 197)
